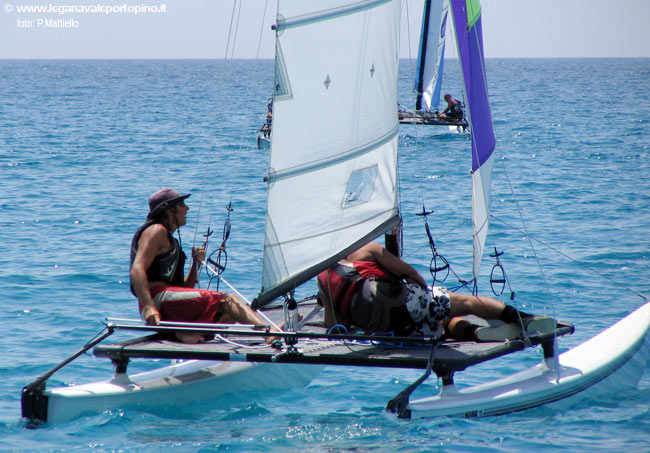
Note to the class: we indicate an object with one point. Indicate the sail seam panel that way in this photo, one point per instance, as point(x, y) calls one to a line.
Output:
point(325, 233)
point(339, 158)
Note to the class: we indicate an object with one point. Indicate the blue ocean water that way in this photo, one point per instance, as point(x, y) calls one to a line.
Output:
point(84, 143)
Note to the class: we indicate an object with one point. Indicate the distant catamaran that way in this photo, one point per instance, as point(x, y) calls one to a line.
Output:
point(428, 76)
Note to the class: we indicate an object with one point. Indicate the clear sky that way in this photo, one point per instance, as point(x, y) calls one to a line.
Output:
point(200, 28)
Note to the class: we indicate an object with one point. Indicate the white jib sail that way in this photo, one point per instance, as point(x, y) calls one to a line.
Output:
point(481, 201)
point(432, 51)
point(332, 176)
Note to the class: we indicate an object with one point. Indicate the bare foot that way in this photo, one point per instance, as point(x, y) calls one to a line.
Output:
point(270, 340)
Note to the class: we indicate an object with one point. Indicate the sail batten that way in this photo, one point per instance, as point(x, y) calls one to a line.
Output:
point(317, 16)
point(332, 182)
point(295, 240)
point(333, 160)
point(469, 36)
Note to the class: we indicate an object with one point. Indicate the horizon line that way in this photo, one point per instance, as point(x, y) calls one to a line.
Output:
point(271, 59)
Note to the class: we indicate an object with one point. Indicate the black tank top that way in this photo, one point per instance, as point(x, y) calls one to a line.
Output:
point(167, 267)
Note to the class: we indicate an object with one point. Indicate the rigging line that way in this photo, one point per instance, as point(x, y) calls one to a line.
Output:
point(240, 345)
point(397, 166)
point(582, 264)
point(241, 296)
point(216, 142)
point(213, 146)
point(412, 71)
point(259, 39)
point(408, 40)
point(198, 214)
point(418, 154)
point(331, 302)
point(255, 82)
point(497, 147)
point(463, 282)
point(512, 192)
point(250, 97)
point(525, 230)
point(232, 49)
point(440, 236)
point(230, 43)
point(232, 16)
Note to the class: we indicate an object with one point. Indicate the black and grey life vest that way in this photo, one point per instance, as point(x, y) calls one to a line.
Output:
point(167, 267)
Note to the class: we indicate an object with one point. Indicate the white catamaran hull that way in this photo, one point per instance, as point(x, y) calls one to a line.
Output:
point(458, 130)
point(611, 361)
point(263, 142)
point(175, 386)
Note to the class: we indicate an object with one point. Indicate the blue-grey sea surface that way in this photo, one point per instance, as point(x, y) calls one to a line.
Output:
point(84, 143)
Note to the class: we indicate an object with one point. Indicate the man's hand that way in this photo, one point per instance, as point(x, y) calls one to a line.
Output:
point(416, 281)
point(151, 315)
point(198, 255)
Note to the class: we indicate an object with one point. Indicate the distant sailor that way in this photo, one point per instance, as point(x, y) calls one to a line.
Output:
point(454, 110)
point(157, 273)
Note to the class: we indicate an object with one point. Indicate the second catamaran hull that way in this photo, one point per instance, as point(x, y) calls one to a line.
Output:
point(446, 126)
point(611, 361)
point(175, 387)
point(263, 142)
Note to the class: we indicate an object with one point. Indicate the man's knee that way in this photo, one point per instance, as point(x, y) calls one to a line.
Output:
point(232, 303)
point(460, 300)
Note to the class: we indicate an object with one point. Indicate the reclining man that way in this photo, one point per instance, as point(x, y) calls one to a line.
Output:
point(378, 292)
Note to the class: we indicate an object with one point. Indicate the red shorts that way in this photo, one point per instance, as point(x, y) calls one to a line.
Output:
point(176, 303)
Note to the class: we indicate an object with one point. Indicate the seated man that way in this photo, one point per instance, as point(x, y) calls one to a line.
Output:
point(454, 110)
point(157, 267)
point(378, 292)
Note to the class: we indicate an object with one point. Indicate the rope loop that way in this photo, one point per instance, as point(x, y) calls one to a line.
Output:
point(498, 276)
point(438, 262)
point(221, 260)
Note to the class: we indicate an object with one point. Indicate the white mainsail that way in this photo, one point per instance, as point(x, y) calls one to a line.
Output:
point(428, 77)
point(332, 182)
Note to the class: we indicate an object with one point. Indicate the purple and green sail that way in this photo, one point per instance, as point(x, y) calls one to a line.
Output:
point(469, 38)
